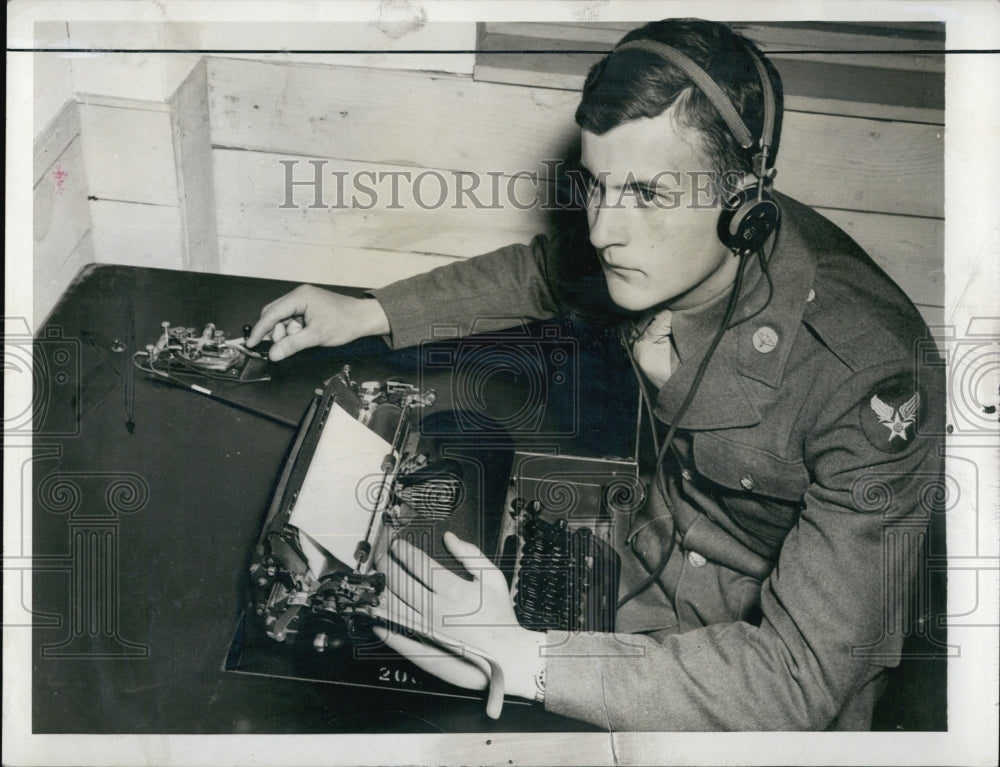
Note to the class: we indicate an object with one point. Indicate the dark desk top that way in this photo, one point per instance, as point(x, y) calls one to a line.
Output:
point(142, 538)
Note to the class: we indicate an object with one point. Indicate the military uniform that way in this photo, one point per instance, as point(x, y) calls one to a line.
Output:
point(800, 486)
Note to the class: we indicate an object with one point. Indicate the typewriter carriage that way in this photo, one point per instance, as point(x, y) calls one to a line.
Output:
point(301, 590)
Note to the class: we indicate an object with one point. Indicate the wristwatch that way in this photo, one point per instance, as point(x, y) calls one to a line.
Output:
point(540, 685)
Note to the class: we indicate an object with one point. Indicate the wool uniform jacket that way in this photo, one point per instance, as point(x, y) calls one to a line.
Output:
point(799, 489)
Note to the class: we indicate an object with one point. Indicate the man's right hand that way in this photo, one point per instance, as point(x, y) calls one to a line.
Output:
point(309, 316)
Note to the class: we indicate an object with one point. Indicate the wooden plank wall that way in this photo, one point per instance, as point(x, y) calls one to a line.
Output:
point(143, 124)
point(366, 120)
point(148, 166)
point(882, 180)
point(63, 239)
point(131, 167)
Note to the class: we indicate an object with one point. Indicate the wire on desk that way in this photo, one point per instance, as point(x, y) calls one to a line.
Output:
point(172, 377)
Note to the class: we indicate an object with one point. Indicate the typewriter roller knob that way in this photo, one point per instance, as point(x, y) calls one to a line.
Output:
point(362, 552)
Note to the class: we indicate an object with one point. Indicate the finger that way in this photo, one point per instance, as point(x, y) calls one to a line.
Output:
point(402, 583)
point(293, 326)
point(288, 345)
point(405, 617)
point(440, 663)
point(280, 309)
point(419, 620)
point(415, 561)
point(449, 586)
point(279, 331)
point(468, 554)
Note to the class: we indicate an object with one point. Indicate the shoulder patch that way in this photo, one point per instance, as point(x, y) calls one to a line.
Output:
point(891, 412)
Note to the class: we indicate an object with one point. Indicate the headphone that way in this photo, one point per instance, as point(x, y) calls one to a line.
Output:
point(749, 214)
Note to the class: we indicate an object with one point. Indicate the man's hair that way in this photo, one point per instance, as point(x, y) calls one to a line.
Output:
point(635, 83)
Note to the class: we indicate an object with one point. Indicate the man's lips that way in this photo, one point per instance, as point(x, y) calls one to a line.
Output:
point(617, 268)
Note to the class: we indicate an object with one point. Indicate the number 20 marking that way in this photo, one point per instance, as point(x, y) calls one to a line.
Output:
point(397, 675)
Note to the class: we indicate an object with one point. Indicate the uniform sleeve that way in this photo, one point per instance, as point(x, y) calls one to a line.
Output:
point(832, 608)
point(486, 293)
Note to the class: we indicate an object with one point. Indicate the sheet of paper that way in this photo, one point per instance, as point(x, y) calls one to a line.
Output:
point(341, 487)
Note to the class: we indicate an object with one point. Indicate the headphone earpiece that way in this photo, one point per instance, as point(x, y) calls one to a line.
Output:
point(748, 218)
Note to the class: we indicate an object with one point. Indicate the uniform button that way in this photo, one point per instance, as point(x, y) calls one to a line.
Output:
point(746, 482)
point(686, 474)
point(696, 559)
point(765, 338)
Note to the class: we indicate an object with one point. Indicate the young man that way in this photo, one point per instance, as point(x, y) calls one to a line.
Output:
point(758, 588)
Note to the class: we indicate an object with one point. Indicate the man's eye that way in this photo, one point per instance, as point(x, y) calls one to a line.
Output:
point(646, 194)
point(641, 192)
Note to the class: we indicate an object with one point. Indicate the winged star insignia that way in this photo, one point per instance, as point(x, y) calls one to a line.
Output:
point(896, 420)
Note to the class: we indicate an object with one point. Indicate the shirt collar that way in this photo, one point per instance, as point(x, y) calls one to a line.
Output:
point(756, 349)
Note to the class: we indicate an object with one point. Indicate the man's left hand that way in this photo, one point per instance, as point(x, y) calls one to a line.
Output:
point(457, 614)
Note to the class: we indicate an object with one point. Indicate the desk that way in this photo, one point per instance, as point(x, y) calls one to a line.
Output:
point(142, 539)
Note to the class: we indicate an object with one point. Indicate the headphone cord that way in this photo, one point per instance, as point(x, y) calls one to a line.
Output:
point(659, 479)
point(766, 271)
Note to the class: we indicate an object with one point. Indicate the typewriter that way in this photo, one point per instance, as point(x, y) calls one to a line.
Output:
point(353, 475)
point(353, 478)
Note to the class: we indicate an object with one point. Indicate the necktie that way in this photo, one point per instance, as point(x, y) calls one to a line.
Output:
point(653, 348)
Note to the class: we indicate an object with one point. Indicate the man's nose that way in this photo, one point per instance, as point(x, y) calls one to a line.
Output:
point(607, 225)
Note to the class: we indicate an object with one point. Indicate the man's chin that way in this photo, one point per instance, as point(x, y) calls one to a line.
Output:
point(628, 301)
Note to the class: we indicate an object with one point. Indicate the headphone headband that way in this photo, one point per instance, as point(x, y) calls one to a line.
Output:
point(718, 97)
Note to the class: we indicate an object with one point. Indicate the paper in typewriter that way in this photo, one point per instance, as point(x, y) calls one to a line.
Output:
point(341, 486)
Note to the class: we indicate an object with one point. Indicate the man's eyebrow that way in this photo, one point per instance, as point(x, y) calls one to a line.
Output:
point(600, 178)
point(632, 180)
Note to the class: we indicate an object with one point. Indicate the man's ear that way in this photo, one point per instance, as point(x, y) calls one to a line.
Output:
point(747, 217)
point(732, 182)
